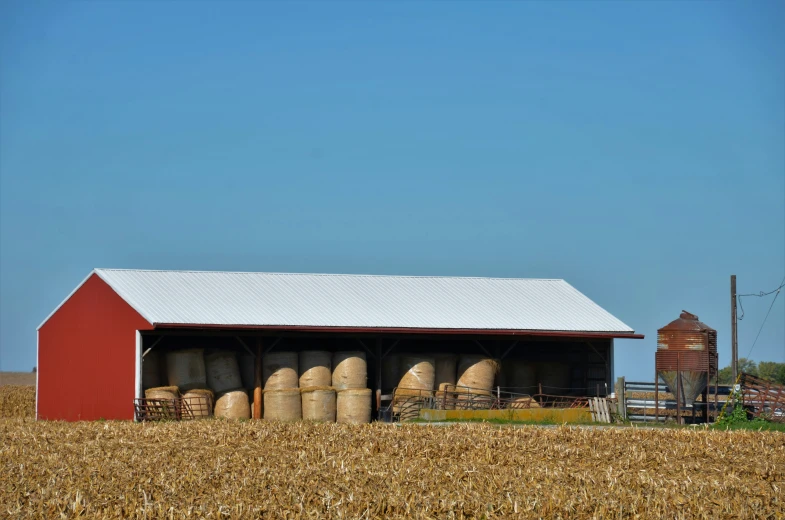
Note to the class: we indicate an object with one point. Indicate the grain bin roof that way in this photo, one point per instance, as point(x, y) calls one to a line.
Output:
point(321, 301)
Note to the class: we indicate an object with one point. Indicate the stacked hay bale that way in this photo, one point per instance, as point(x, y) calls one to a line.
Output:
point(350, 379)
point(521, 375)
point(318, 403)
point(199, 402)
point(247, 364)
point(354, 406)
point(186, 369)
point(223, 376)
point(315, 368)
point(280, 379)
point(446, 366)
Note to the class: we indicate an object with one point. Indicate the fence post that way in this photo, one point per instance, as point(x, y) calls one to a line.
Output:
point(621, 403)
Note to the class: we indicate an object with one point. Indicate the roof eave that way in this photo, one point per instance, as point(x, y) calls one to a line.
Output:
point(410, 330)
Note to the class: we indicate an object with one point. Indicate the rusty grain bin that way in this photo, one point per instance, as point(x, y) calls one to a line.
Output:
point(686, 356)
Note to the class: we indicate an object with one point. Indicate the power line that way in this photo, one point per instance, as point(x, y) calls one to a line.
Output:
point(777, 290)
point(759, 295)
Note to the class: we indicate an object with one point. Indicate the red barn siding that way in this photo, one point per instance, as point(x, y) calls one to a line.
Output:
point(86, 356)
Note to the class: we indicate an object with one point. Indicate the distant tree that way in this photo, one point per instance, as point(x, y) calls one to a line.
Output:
point(745, 365)
point(34, 369)
point(780, 376)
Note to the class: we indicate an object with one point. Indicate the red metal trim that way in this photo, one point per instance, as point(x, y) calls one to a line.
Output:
point(404, 330)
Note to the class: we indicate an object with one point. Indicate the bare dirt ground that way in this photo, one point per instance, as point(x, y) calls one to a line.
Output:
point(17, 378)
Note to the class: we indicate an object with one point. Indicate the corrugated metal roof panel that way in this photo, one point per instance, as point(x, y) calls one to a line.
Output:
point(359, 301)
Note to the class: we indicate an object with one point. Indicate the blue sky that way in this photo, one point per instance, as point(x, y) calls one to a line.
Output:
point(636, 150)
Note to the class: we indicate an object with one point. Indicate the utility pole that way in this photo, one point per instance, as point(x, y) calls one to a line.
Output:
point(733, 337)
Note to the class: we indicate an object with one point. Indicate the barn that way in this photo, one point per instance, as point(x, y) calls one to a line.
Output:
point(91, 348)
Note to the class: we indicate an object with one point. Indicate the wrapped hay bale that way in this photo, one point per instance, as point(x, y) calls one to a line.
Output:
point(318, 403)
point(315, 368)
point(247, 364)
point(554, 377)
point(233, 405)
point(168, 393)
point(282, 405)
point(522, 376)
point(279, 371)
point(151, 370)
point(391, 371)
point(349, 370)
point(185, 368)
point(445, 369)
point(353, 406)
point(477, 372)
point(223, 372)
point(199, 401)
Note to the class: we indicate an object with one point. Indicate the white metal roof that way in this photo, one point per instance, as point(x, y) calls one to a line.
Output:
point(358, 301)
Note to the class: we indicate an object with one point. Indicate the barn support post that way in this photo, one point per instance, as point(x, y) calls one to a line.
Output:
point(138, 368)
point(257, 384)
point(656, 397)
point(378, 378)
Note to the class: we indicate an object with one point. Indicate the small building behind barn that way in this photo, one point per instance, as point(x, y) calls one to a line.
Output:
point(96, 349)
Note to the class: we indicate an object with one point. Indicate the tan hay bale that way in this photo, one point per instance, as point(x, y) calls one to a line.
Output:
point(445, 369)
point(169, 393)
point(319, 404)
point(185, 368)
point(477, 372)
point(247, 364)
point(223, 372)
point(199, 401)
point(418, 376)
point(391, 371)
point(279, 371)
point(17, 401)
point(353, 406)
point(554, 377)
point(349, 370)
point(233, 405)
point(283, 405)
point(151, 370)
point(523, 403)
point(315, 368)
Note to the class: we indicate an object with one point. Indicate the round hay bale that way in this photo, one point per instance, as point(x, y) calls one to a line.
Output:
point(524, 403)
point(418, 377)
point(445, 369)
point(315, 368)
point(233, 405)
point(168, 393)
point(391, 371)
point(185, 368)
point(282, 405)
point(522, 376)
point(199, 401)
point(247, 364)
point(353, 406)
point(151, 370)
point(223, 372)
point(477, 372)
point(554, 377)
point(349, 370)
point(279, 371)
point(318, 403)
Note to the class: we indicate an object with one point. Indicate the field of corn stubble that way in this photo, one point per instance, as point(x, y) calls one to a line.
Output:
point(219, 469)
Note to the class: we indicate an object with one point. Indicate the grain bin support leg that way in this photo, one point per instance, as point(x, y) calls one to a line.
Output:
point(257, 383)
